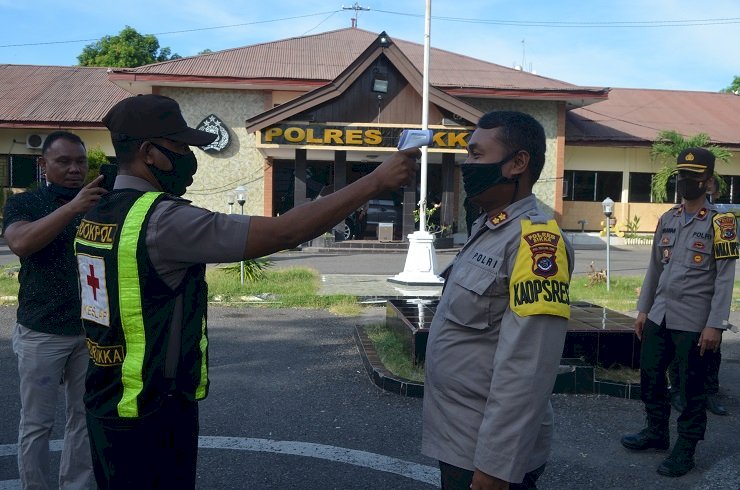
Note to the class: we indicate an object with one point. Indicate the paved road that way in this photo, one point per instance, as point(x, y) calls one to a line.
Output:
point(622, 261)
point(292, 408)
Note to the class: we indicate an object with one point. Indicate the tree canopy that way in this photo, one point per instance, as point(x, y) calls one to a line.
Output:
point(126, 49)
point(734, 87)
point(665, 150)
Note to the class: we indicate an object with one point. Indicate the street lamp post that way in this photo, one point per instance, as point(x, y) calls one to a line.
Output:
point(241, 198)
point(608, 206)
point(230, 196)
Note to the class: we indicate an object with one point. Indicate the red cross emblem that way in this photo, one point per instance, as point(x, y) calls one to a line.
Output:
point(93, 282)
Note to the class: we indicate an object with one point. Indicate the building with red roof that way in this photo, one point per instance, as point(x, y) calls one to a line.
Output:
point(304, 115)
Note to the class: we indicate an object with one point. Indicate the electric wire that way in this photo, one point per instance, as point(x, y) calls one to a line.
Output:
point(504, 22)
point(181, 31)
point(566, 24)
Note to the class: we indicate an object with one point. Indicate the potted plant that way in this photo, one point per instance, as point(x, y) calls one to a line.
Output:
point(441, 232)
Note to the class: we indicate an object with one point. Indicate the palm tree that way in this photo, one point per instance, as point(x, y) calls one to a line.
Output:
point(666, 149)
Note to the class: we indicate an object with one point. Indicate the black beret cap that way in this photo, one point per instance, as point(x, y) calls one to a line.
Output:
point(152, 116)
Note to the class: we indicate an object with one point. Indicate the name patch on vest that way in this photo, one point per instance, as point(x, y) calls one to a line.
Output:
point(529, 292)
point(485, 260)
point(93, 289)
point(102, 233)
point(105, 355)
point(725, 236)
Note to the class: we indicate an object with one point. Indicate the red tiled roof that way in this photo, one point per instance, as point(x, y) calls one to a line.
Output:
point(55, 95)
point(635, 116)
point(322, 57)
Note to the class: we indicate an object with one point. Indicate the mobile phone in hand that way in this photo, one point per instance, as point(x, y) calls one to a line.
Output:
point(109, 172)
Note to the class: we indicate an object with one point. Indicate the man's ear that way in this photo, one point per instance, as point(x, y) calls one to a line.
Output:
point(520, 163)
point(144, 151)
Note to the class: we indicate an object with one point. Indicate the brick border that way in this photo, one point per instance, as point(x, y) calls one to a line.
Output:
point(379, 375)
point(580, 380)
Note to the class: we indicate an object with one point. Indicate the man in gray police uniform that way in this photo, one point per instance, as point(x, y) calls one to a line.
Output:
point(141, 254)
point(497, 337)
point(684, 307)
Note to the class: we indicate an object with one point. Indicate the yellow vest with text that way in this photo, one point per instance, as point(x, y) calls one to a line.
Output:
point(540, 281)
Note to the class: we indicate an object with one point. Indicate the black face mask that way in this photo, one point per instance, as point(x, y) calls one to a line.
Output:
point(67, 193)
point(478, 177)
point(690, 189)
point(175, 181)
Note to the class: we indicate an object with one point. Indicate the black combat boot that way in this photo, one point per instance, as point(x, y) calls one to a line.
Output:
point(714, 405)
point(647, 438)
point(681, 460)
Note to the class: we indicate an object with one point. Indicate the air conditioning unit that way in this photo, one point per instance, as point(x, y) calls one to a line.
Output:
point(35, 140)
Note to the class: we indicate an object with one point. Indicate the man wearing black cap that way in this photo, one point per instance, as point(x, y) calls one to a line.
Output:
point(684, 307)
point(141, 255)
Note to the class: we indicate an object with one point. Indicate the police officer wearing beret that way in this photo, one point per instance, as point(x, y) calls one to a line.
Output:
point(497, 336)
point(684, 307)
point(141, 254)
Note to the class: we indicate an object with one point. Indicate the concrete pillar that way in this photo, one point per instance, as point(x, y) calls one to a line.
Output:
point(340, 169)
point(448, 189)
point(299, 189)
point(409, 204)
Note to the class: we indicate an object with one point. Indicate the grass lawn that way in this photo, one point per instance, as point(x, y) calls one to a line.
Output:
point(278, 288)
point(298, 288)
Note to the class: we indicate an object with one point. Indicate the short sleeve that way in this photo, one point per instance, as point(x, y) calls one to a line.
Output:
point(17, 208)
point(180, 235)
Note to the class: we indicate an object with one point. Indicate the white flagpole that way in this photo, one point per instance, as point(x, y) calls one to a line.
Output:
point(421, 260)
point(425, 117)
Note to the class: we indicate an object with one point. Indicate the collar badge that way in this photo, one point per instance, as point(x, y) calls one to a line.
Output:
point(500, 218)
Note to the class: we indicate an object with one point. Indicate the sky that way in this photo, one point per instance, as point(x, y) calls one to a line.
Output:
point(655, 44)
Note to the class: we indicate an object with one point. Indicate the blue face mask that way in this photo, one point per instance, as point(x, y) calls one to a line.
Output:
point(478, 177)
point(184, 166)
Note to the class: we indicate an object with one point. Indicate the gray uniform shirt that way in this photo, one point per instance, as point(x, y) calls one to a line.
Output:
point(180, 235)
point(490, 372)
point(684, 283)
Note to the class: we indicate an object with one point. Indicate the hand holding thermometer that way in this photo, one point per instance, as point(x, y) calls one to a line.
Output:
point(415, 138)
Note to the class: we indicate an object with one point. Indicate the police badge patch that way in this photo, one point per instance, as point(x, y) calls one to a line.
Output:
point(725, 236)
point(212, 124)
point(540, 279)
point(543, 246)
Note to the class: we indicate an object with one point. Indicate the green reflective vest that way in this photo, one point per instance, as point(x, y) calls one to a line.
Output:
point(127, 311)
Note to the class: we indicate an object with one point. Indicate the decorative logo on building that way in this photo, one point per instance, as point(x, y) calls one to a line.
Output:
point(212, 124)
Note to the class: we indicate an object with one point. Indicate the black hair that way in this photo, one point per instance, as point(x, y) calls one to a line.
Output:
point(60, 135)
point(519, 131)
point(126, 150)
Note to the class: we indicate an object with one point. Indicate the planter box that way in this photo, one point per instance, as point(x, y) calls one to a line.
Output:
point(444, 242)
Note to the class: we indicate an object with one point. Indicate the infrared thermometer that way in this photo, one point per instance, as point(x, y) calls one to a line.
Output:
point(415, 138)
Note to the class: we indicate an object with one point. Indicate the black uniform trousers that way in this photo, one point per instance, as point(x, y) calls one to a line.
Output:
point(156, 451)
point(659, 347)
point(711, 381)
point(455, 478)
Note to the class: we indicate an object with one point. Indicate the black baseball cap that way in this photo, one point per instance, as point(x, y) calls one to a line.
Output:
point(152, 116)
point(695, 160)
